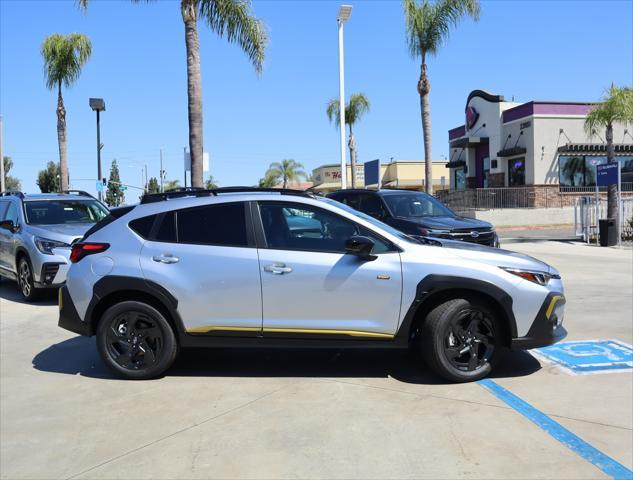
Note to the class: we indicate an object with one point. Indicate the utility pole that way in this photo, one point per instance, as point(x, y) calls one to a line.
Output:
point(161, 170)
point(1, 159)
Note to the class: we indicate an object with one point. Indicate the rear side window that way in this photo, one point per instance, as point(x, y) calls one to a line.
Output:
point(223, 224)
point(165, 228)
point(143, 226)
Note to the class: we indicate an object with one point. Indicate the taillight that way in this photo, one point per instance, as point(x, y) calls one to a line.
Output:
point(80, 250)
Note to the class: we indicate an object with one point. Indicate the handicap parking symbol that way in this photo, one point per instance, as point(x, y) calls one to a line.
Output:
point(589, 356)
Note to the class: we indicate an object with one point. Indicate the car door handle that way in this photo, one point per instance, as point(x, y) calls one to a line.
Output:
point(277, 269)
point(165, 259)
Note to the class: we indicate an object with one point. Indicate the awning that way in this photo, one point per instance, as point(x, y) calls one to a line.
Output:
point(596, 148)
point(464, 142)
point(456, 164)
point(510, 152)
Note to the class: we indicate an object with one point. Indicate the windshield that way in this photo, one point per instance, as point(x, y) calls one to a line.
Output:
point(372, 220)
point(68, 212)
point(416, 205)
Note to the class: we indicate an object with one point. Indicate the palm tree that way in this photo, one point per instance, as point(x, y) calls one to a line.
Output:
point(171, 185)
point(357, 106)
point(287, 170)
point(232, 18)
point(211, 183)
point(616, 107)
point(64, 56)
point(428, 26)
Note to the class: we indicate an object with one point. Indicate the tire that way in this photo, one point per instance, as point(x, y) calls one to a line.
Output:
point(461, 340)
point(26, 282)
point(144, 351)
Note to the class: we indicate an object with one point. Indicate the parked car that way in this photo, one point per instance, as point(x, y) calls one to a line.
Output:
point(249, 267)
point(417, 213)
point(36, 232)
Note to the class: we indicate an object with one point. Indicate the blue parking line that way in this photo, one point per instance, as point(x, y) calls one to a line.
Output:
point(576, 444)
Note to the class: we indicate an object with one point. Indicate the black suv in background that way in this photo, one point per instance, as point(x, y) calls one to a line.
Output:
point(417, 213)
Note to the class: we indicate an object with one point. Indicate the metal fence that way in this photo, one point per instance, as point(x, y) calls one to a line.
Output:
point(587, 212)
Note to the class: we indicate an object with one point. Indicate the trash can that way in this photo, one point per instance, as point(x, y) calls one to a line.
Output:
point(608, 231)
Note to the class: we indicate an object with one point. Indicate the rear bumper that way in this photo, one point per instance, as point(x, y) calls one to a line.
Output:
point(69, 318)
point(547, 328)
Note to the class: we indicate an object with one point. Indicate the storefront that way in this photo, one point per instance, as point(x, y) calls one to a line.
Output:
point(510, 144)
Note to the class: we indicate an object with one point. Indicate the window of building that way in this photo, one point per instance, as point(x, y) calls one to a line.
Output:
point(460, 178)
point(571, 171)
point(580, 171)
point(307, 228)
point(223, 225)
point(516, 172)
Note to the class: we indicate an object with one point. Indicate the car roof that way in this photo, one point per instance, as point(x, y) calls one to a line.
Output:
point(54, 196)
point(382, 191)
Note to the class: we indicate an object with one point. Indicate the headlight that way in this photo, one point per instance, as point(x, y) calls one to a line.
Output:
point(542, 278)
point(46, 245)
point(430, 231)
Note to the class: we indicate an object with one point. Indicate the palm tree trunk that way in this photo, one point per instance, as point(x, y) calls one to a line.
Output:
point(424, 88)
point(612, 195)
point(61, 139)
point(352, 155)
point(194, 89)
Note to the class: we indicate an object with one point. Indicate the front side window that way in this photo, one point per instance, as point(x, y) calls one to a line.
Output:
point(415, 204)
point(372, 206)
point(3, 208)
point(223, 225)
point(306, 228)
point(12, 214)
point(58, 212)
point(516, 172)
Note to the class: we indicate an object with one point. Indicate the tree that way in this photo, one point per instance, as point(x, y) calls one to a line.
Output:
point(287, 171)
point(49, 179)
point(211, 183)
point(270, 179)
point(10, 183)
point(232, 18)
point(357, 106)
point(64, 56)
point(428, 26)
point(153, 186)
point(114, 195)
point(616, 107)
point(171, 185)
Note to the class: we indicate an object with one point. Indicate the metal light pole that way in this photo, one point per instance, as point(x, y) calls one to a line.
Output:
point(162, 173)
point(98, 105)
point(1, 159)
point(345, 11)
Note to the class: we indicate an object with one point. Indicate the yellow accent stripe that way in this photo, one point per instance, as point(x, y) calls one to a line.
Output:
point(351, 333)
point(552, 304)
point(229, 329)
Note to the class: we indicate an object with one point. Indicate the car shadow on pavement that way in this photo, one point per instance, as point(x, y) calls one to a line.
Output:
point(79, 356)
point(9, 291)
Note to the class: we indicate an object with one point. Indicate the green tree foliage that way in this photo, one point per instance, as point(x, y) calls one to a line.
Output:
point(114, 195)
point(153, 186)
point(64, 57)
point(10, 183)
point(210, 183)
point(287, 170)
point(49, 179)
point(171, 185)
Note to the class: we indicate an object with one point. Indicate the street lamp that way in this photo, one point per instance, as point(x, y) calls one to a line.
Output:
point(98, 105)
point(345, 11)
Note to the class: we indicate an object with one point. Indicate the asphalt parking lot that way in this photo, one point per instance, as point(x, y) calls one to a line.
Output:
point(317, 414)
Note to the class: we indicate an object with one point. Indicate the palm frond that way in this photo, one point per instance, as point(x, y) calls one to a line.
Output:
point(64, 56)
point(234, 18)
point(333, 111)
point(358, 105)
point(616, 107)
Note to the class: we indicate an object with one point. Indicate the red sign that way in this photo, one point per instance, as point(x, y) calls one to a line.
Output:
point(471, 117)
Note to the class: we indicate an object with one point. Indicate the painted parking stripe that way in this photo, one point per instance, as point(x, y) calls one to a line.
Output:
point(576, 444)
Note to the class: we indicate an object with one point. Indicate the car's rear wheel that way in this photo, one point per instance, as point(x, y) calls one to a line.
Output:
point(136, 340)
point(26, 282)
point(461, 340)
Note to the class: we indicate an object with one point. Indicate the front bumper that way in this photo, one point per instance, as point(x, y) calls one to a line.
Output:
point(68, 316)
point(547, 328)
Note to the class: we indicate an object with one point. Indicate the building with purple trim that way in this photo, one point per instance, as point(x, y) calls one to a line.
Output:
point(510, 144)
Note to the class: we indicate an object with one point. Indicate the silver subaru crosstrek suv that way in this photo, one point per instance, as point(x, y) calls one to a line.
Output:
point(262, 267)
point(36, 232)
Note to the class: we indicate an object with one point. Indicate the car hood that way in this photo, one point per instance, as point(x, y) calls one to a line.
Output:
point(448, 223)
point(495, 256)
point(62, 232)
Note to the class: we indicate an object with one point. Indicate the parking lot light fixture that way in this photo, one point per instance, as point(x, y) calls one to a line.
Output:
point(344, 13)
point(98, 105)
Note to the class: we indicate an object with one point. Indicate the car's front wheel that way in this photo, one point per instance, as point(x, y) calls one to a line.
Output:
point(136, 340)
point(461, 340)
point(26, 282)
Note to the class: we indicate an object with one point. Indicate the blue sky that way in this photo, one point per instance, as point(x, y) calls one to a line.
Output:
point(547, 50)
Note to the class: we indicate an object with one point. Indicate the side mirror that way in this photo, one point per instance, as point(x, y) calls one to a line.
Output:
point(8, 225)
point(361, 247)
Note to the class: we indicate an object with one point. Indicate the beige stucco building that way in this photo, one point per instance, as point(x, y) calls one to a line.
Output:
point(408, 174)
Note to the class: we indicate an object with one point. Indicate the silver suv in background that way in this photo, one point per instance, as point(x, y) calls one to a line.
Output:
point(36, 232)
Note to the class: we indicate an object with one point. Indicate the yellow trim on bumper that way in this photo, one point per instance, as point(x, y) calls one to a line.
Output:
point(552, 305)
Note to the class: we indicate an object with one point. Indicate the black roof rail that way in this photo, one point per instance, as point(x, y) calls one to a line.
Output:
point(16, 193)
point(78, 192)
point(201, 192)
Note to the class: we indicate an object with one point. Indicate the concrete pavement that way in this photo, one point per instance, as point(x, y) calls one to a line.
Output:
point(312, 414)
